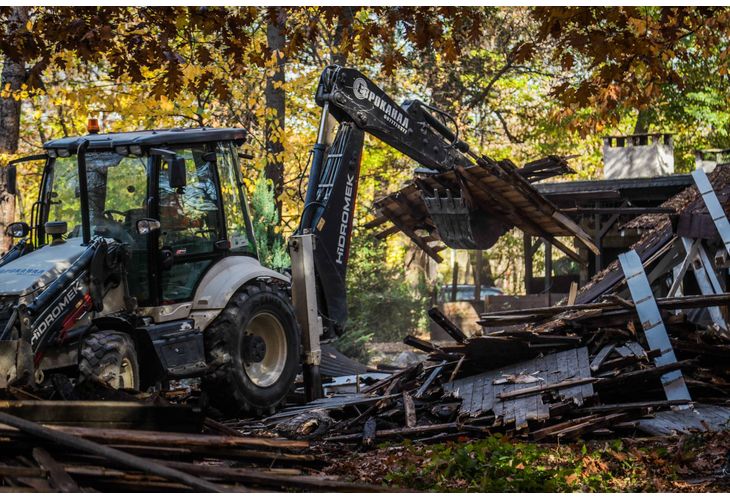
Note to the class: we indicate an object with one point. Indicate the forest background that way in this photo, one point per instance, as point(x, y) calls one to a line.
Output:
point(521, 83)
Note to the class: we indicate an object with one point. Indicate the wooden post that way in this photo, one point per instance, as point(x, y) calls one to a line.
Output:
point(598, 239)
point(454, 280)
point(548, 267)
point(527, 244)
point(478, 276)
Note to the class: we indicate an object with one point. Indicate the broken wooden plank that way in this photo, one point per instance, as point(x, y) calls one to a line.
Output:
point(375, 222)
point(638, 374)
point(601, 357)
point(402, 432)
point(549, 430)
point(434, 373)
point(18, 471)
point(125, 436)
point(457, 368)
point(448, 326)
point(422, 345)
point(368, 432)
point(115, 456)
point(59, 478)
point(387, 232)
point(573, 293)
point(641, 405)
point(410, 410)
point(579, 429)
point(108, 414)
point(544, 388)
point(685, 302)
point(220, 428)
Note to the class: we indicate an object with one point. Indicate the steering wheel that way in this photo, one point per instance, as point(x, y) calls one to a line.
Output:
point(112, 228)
point(203, 232)
point(108, 214)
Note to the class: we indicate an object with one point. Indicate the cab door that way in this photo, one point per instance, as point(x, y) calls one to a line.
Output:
point(191, 232)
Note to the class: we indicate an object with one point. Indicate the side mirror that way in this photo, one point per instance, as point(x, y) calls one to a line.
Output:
point(177, 172)
point(175, 163)
point(18, 230)
point(146, 226)
point(12, 180)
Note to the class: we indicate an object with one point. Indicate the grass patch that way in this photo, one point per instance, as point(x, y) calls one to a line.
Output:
point(496, 464)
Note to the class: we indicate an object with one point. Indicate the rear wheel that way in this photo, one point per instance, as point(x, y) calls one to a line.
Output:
point(253, 350)
point(111, 358)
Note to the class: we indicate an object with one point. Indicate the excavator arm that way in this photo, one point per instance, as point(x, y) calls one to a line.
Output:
point(360, 107)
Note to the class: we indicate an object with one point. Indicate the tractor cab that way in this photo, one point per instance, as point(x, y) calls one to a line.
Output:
point(173, 197)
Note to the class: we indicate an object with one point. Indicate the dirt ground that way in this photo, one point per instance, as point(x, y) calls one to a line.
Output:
point(690, 463)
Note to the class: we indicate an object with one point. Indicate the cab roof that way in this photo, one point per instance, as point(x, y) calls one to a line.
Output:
point(150, 138)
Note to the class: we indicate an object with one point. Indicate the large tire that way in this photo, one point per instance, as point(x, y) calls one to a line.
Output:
point(109, 357)
point(237, 383)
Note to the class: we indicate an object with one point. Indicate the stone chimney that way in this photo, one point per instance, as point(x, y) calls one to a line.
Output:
point(639, 155)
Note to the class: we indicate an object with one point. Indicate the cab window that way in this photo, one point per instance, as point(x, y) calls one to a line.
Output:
point(189, 224)
point(189, 216)
point(238, 225)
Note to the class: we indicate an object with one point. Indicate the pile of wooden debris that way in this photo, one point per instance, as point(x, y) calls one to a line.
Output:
point(644, 347)
point(567, 385)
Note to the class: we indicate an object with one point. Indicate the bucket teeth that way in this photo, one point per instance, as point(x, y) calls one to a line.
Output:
point(458, 225)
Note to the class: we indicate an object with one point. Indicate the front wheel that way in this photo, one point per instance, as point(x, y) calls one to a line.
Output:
point(253, 349)
point(111, 358)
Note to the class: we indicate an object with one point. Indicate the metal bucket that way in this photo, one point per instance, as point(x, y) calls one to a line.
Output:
point(460, 226)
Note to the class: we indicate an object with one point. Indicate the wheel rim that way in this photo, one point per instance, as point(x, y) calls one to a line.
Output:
point(266, 372)
point(126, 375)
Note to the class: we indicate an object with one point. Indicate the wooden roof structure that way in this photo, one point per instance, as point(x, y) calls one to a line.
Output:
point(495, 190)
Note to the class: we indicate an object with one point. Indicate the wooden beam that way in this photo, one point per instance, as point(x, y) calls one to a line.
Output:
point(408, 232)
point(387, 232)
point(381, 219)
point(619, 210)
point(528, 391)
point(59, 478)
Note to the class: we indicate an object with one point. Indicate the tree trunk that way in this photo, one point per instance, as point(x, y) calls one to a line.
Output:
point(343, 30)
point(275, 104)
point(13, 76)
point(643, 121)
